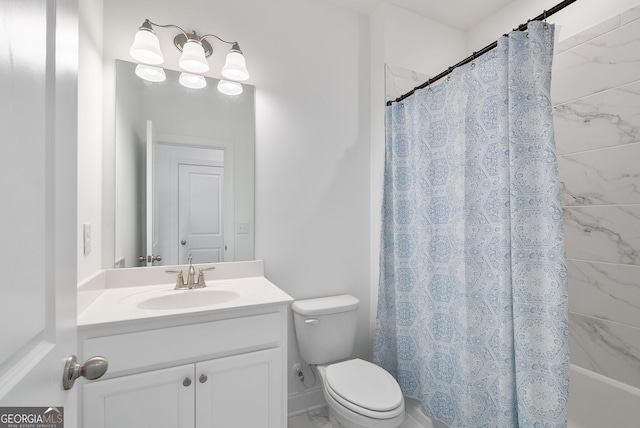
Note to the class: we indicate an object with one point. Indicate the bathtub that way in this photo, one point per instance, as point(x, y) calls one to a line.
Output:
point(596, 401)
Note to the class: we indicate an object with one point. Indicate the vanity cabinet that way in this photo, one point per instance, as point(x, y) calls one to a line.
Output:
point(238, 391)
point(212, 370)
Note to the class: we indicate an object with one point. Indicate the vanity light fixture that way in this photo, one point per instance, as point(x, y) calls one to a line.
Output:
point(195, 51)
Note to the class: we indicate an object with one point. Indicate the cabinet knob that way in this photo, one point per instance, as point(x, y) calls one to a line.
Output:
point(186, 381)
point(203, 378)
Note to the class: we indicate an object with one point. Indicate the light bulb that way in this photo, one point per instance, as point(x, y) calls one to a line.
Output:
point(150, 73)
point(192, 81)
point(229, 88)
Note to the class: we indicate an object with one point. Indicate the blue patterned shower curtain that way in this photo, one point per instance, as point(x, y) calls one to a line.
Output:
point(472, 306)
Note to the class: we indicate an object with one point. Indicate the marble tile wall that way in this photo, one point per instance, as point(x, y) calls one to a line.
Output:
point(596, 97)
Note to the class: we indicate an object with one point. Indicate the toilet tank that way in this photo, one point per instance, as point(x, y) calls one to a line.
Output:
point(325, 327)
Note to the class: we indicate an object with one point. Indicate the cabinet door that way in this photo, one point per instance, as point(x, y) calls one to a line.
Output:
point(156, 399)
point(241, 391)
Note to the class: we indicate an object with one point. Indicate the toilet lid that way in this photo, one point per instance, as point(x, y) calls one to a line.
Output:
point(365, 385)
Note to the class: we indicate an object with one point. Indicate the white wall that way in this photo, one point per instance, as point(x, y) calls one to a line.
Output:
point(420, 44)
point(312, 156)
point(309, 62)
point(90, 134)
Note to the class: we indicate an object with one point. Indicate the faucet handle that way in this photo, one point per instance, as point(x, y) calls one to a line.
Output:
point(201, 282)
point(179, 280)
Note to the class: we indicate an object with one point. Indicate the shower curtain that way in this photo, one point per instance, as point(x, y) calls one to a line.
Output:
point(472, 305)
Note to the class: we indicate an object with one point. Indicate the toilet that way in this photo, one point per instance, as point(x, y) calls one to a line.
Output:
point(360, 394)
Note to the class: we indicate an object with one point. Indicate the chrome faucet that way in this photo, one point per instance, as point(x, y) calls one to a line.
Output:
point(191, 282)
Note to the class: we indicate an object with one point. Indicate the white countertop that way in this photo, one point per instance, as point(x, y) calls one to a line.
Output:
point(105, 305)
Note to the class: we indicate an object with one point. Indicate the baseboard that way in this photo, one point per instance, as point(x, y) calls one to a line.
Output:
point(301, 402)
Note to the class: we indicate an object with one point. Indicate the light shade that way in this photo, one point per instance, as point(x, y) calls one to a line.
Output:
point(146, 48)
point(150, 73)
point(192, 81)
point(193, 58)
point(229, 88)
point(235, 67)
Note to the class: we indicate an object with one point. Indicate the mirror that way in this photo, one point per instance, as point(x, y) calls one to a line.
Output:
point(184, 172)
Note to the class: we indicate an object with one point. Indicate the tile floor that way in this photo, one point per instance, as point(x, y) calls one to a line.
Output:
point(319, 418)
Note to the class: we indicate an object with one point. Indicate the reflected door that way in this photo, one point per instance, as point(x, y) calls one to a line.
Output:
point(200, 215)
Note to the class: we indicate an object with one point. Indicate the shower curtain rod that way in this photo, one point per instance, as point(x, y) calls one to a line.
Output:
point(543, 16)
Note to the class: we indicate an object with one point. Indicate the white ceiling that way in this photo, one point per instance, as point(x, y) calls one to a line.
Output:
point(461, 14)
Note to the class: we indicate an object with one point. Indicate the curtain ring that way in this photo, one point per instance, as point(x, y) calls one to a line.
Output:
point(545, 26)
point(450, 69)
point(473, 60)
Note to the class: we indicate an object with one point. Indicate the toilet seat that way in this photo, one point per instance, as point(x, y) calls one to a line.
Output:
point(364, 388)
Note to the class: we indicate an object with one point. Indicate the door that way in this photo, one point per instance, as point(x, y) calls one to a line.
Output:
point(200, 218)
point(38, 227)
point(156, 399)
point(243, 390)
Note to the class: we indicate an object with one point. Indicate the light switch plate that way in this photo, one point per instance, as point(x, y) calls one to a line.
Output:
point(86, 233)
point(242, 228)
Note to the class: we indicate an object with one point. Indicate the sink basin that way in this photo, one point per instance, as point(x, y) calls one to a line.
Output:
point(185, 299)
